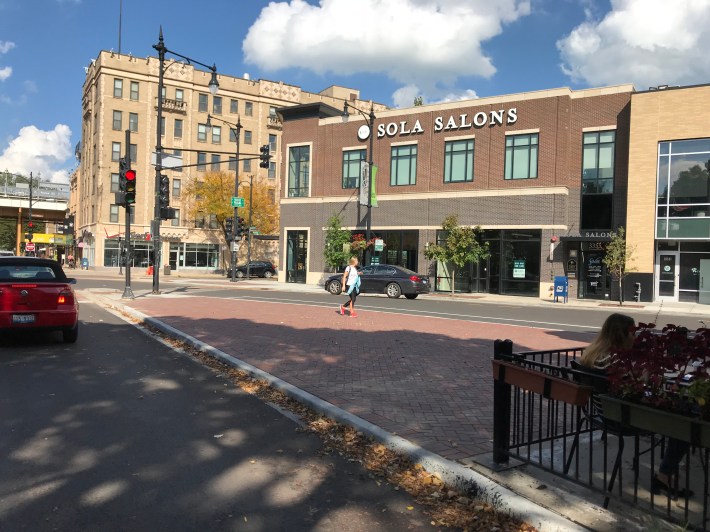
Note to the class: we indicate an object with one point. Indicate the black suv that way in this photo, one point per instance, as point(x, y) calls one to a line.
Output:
point(257, 268)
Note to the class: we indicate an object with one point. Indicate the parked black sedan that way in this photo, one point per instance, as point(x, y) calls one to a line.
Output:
point(257, 268)
point(384, 279)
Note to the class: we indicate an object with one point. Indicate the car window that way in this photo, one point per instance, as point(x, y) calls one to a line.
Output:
point(387, 270)
point(27, 273)
point(368, 270)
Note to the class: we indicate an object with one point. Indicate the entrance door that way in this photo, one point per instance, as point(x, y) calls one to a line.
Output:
point(704, 298)
point(594, 278)
point(667, 276)
point(296, 256)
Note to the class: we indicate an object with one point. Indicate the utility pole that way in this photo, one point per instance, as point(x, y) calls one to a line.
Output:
point(127, 291)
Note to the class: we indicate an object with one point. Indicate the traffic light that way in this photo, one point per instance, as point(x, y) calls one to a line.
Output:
point(164, 196)
point(30, 231)
point(228, 227)
point(264, 156)
point(122, 167)
point(241, 227)
point(130, 187)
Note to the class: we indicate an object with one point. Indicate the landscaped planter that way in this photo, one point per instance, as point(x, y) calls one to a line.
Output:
point(542, 384)
point(647, 418)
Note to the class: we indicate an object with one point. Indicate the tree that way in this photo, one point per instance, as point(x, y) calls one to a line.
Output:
point(212, 194)
point(462, 245)
point(8, 236)
point(336, 238)
point(418, 101)
point(617, 258)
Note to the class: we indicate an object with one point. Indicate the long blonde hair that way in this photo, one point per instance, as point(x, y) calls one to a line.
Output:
point(615, 334)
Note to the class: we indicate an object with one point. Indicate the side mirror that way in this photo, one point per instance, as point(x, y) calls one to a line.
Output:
point(71, 280)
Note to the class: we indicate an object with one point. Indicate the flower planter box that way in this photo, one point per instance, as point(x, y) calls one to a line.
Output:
point(647, 418)
point(537, 382)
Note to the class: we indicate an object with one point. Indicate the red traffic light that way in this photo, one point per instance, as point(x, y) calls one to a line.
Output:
point(130, 175)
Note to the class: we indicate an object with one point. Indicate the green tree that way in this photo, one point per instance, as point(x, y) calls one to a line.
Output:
point(337, 251)
point(418, 101)
point(617, 258)
point(462, 245)
point(7, 234)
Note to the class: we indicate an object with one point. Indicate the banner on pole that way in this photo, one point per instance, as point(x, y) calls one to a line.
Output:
point(373, 192)
point(364, 182)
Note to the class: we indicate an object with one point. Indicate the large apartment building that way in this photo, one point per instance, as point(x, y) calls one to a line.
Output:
point(120, 93)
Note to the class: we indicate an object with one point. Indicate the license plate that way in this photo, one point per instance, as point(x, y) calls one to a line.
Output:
point(23, 318)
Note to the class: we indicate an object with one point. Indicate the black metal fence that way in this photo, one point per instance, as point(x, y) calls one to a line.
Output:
point(547, 413)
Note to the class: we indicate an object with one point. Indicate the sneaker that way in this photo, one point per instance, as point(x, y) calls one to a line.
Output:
point(342, 310)
point(353, 315)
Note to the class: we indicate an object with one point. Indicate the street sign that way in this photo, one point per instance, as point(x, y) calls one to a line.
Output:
point(30, 246)
point(235, 246)
point(237, 202)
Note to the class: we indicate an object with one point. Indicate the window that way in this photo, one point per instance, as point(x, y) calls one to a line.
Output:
point(272, 143)
point(247, 137)
point(458, 161)
point(134, 90)
point(217, 105)
point(216, 134)
point(133, 122)
point(232, 135)
point(351, 167)
point(164, 93)
point(162, 126)
point(404, 165)
point(175, 222)
point(272, 111)
point(597, 180)
point(113, 213)
point(272, 195)
point(202, 103)
point(201, 132)
point(115, 151)
point(272, 170)
point(134, 152)
point(114, 182)
point(117, 88)
point(117, 119)
point(179, 95)
point(178, 153)
point(214, 164)
point(248, 108)
point(247, 165)
point(232, 163)
point(521, 156)
point(201, 161)
point(177, 133)
point(233, 106)
point(299, 163)
point(177, 187)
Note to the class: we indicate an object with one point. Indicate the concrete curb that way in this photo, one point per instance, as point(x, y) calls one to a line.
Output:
point(452, 473)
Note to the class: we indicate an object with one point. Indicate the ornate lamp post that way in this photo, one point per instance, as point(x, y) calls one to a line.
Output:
point(213, 86)
point(371, 124)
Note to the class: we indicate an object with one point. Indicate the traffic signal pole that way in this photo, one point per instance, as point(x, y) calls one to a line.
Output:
point(155, 229)
point(127, 291)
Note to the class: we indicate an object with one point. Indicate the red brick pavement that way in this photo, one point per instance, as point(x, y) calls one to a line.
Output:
point(425, 379)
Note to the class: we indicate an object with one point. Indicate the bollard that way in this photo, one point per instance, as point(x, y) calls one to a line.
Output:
point(501, 406)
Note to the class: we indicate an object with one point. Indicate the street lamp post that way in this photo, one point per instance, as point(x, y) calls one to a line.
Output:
point(371, 124)
point(213, 85)
point(237, 128)
point(251, 195)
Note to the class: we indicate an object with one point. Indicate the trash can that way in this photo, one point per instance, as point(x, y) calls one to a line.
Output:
point(561, 287)
point(166, 269)
point(84, 263)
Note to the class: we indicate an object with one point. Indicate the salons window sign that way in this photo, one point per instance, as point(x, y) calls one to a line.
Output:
point(453, 123)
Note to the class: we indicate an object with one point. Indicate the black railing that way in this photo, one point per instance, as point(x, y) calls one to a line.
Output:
point(547, 413)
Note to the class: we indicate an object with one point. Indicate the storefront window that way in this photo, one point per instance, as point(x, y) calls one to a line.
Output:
point(597, 180)
point(351, 167)
point(521, 156)
point(299, 163)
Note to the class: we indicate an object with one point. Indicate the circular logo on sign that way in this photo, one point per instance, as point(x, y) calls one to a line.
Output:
point(363, 132)
point(666, 268)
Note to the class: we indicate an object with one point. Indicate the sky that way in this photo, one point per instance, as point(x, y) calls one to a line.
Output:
point(390, 50)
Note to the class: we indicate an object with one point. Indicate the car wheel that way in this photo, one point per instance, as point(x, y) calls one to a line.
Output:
point(240, 274)
point(393, 290)
point(411, 296)
point(268, 274)
point(334, 287)
point(70, 335)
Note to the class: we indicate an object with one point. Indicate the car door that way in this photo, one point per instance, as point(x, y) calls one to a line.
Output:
point(256, 268)
point(387, 274)
point(367, 279)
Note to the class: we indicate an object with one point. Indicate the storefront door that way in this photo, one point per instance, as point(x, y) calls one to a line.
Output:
point(667, 276)
point(296, 256)
point(594, 276)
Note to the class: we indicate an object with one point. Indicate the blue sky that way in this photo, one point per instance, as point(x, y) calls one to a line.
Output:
point(392, 50)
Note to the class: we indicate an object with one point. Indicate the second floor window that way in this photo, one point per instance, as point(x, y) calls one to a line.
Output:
point(521, 156)
point(216, 105)
point(201, 132)
point(175, 222)
point(458, 161)
point(178, 129)
point(351, 167)
point(134, 90)
point(118, 88)
point(113, 213)
point(133, 122)
point(299, 170)
point(202, 103)
point(117, 119)
point(403, 165)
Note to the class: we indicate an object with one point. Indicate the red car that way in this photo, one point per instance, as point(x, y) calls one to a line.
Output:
point(36, 294)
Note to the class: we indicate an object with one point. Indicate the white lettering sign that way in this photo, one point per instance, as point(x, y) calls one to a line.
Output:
point(451, 123)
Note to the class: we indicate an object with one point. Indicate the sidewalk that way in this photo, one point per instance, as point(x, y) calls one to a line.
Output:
point(422, 385)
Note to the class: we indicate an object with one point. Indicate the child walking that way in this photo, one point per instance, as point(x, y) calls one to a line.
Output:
point(351, 282)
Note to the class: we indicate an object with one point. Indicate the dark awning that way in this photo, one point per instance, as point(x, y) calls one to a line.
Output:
point(579, 238)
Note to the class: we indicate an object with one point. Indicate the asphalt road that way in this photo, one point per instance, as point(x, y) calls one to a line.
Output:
point(120, 432)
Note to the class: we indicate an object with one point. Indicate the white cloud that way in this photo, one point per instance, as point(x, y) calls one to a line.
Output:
point(6, 46)
point(40, 152)
point(404, 96)
point(429, 43)
point(645, 42)
point(5, 73)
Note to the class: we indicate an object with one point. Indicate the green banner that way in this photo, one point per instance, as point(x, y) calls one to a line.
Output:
point(373, 190)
